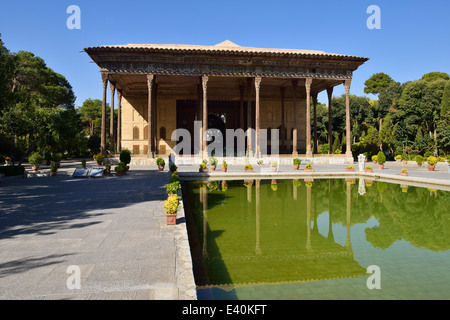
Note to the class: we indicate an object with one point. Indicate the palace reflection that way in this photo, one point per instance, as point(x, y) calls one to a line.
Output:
point(268, 233)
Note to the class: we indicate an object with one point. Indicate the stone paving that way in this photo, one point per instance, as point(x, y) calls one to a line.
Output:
point(113, 229)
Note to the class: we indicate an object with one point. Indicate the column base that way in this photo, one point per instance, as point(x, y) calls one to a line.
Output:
point(309, 154)
point(295, 153)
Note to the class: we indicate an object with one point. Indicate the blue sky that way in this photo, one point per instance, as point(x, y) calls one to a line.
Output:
point(413, 39)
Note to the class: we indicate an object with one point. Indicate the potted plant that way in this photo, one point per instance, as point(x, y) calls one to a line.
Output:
point(171, 208)
point(419, 160)
point(350, 168)
point(48, 158)
point(224, 166)
point(431, 160)
point(173, 168)
point(56, 158)
point(404, 172)
point(107, 170)
point(398, 158)
point(173, 188)
point(296, 163)
point(35, 160)
point(273, 185)
point(224, 186)
point(308, 168)
point(274, 166)
point(203, 168)
point(260, 162)
point(7, 161)
point(248, 168)
point(213, 163)
point(381, 159)
point(53, 169)
point(120, 169)
point(83, 163)
point(374, 159)
point(99, 158)
point(213, 185)
point(405, 158)
point(368, 169)
point(160, 163)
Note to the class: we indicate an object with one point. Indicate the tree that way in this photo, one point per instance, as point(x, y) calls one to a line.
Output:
point(377, 82)
point(387, 133)
point(433, 76)
point(39, 96)
point(91, 115)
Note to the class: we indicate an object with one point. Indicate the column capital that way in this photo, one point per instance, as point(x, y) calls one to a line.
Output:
point(347, 84)
point(112, 87)
point(308, 82)
point(258, 83)
point(150, 78)
point(205, 81)
point(329, 92)
point(119, 94)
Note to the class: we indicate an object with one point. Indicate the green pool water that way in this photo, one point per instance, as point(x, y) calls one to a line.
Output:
point(297, 239)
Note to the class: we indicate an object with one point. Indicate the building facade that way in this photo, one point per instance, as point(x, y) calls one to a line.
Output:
point(161, 88)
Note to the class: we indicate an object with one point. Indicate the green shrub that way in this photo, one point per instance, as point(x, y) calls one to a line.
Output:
point(160, 162)
point(431, 160)
point(419, 159)
point(9, 171)
point(174, 178)
point(381, 158)
point(173, 168)
point(296, 161)
point(125, 156)
point(173, 187)
point(35, 159)
point(53, 167)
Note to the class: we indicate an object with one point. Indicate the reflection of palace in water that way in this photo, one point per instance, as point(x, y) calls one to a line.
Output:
point(259, 237)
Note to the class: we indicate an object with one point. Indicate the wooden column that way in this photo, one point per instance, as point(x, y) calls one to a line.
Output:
point(316, 146)
point(348, 152)
point(241, 106)
point(119, 121)
point(294, 132)
point(111, 119)
point(308, 117)
point(249, 116)
point(283, 120)
point(103, 129)
point(155, 116)
point(257, 118)
point(150, 79)
point(205, 114)
point(330, 126)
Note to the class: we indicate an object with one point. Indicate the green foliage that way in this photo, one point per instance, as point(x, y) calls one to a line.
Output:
point(35, 158)
point(160, 162)
point(125, 156)
point(53, 167)
point(381, 158)
point(419, 159)
point(377, 82)
point(431, 160)
point(296, 161)
point(100, 157)
point(173, 168)
point(173, 187)
point(213, 161)
point(433, 76)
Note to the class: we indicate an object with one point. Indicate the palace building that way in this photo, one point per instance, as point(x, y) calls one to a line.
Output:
point(161, 88)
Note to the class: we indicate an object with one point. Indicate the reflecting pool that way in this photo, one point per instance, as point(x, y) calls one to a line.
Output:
point(316, 239)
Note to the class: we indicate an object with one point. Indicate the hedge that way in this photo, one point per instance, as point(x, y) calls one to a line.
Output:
point(9, 171)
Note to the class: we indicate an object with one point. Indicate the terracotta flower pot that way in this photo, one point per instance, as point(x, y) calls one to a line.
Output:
point(99, 163)
point(380, 166)
point(308, 170)
point(349, 170)
point(248, 170)
point(368, 170)
point(52, 174)
point(213, 167)
point(224, 169)
point(274, 169)
point(419, 164)
point(404, 174)
point(202, 170)
point(431, 168)
point(171, 219)
point(35, 168)
point(296, 166)
point(161, 168)
point(405, 162)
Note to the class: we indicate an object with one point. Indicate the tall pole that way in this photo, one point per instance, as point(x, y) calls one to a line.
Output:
point(119, 121)
point(294, 132)
point(257, 118)
point(150, 79)
point(205, 114)
point(103, 133)
point(347, 84)
point(308, 117)
point(111, 119)
point(330, 127)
